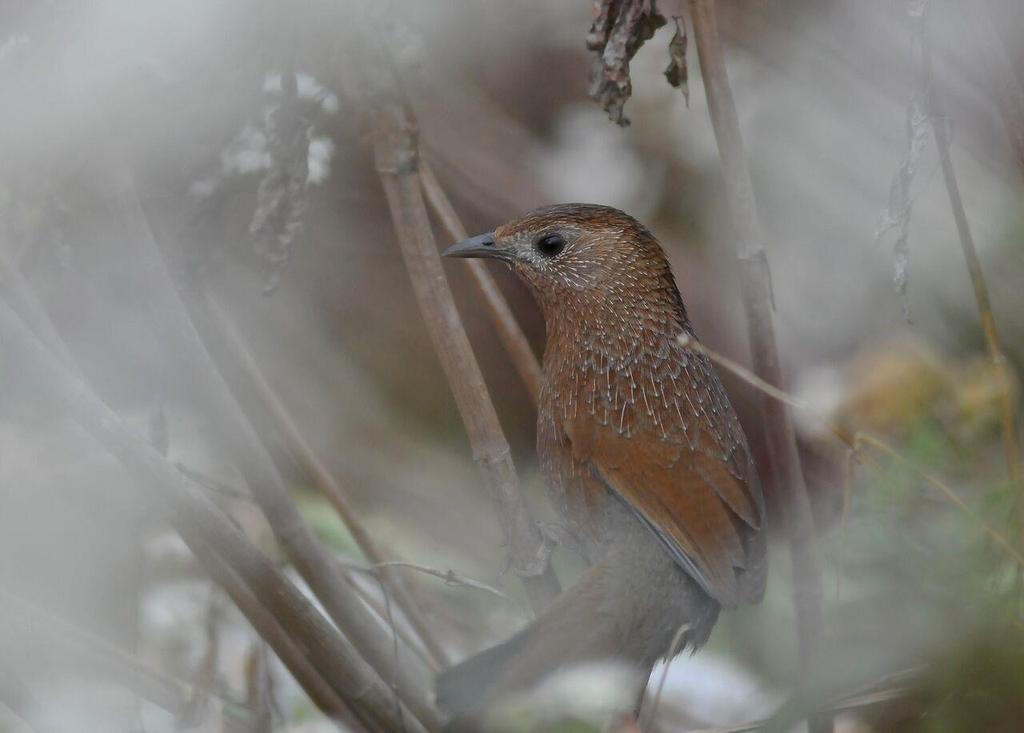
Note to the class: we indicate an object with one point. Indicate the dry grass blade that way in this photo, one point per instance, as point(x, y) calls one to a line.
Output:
point(993, 343)
point(322, 478)
point(786, 473)
point(511, 335)
point(396, 155)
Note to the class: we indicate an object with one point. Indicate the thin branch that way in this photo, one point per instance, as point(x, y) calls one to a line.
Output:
point(192, 339)
point(936, 116)
point(379, 605)
point(511, 335)
point(322, 478)
point(755, 277)
point(396, 152)
point(194, 516)
point(450, 577)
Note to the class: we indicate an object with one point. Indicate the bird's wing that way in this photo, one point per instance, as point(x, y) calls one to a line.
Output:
point(677, 457)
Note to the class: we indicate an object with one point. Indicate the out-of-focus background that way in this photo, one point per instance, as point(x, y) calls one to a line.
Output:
point(145, 146)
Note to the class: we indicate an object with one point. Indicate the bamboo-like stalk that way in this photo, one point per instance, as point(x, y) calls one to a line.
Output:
point(193, 340)
point(511, 335)
point(784, 461)
point(396, 152)
point(993, 343)
point(194, 516)
point(323, 479)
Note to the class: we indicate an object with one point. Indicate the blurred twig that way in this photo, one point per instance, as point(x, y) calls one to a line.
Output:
point(397, 158)
point(204, 527)
point(321, 477)
point(450, 577)
point(511, 335)
point(757, 300)
point(939, 123)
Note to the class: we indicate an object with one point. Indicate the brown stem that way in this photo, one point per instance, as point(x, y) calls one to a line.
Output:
point(936, 115)
point(194, 516)
point(193, 339)
point(511, 335)
point(757, 300)
point(322, 478)
point(396, 154)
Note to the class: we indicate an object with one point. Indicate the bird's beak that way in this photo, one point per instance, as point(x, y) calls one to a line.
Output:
point(482, 245)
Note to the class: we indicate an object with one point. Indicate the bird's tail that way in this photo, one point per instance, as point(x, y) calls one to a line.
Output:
point(614, 612)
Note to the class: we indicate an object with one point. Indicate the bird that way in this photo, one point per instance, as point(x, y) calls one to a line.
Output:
point(644, 458)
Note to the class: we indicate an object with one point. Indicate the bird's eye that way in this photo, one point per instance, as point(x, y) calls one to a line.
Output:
point(550, 245)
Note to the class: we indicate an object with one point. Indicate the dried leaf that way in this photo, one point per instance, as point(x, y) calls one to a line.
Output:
point(619, 29)
point(677, 73)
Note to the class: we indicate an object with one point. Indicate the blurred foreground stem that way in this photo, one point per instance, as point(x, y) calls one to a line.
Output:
point(191, 336)
point(784, 462)
point(1007, 385)
point(209, 533)
point(323, 479)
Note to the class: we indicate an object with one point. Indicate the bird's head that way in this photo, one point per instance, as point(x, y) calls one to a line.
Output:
point(575, 253)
